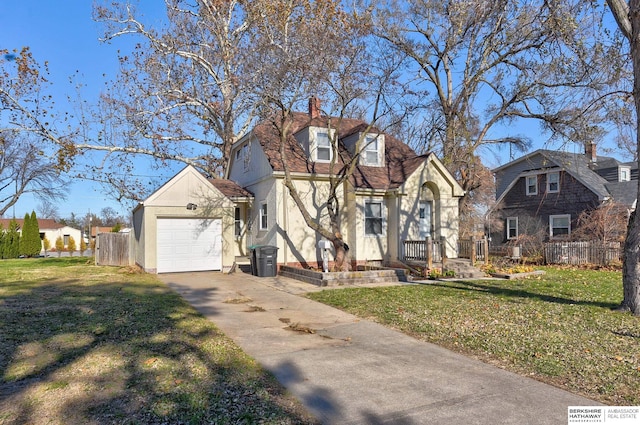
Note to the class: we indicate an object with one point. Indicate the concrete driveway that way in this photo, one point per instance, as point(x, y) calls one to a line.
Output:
point(346, 370)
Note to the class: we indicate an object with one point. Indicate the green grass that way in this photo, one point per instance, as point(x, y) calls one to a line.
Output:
point(86, 344)
point(558, 328)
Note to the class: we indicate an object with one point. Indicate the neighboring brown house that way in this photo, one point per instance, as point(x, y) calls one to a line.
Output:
point(550, 189)
point(49, 229)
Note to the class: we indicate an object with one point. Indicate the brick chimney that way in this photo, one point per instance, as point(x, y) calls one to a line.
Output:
point(314, 107)
point(590, 152)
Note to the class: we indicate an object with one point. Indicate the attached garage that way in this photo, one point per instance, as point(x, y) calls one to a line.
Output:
point(187, 225)
point(189, 245)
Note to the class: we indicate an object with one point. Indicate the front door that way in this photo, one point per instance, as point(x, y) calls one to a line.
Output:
point(425, 219)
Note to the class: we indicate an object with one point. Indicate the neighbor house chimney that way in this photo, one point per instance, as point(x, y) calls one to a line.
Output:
point(590, 152)
point(314, 107)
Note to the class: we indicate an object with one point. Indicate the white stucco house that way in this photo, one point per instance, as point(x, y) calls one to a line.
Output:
point(195, 223)
point(51, 230)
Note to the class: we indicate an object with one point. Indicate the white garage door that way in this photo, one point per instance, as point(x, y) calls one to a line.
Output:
point(187, 245)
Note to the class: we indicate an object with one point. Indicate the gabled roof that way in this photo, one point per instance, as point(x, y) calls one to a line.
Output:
point(582, 169)
point(400, 159)
point(43, 223)
point(230, 189)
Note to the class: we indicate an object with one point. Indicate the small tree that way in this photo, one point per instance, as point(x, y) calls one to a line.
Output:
point(30, 244)
point(46, 244)
point(12, 241)
point(83, 245)
point(72, 245)
point(59, 245)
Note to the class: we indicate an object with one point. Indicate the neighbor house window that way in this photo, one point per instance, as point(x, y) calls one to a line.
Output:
point(371, 150)
point(263, 217)
point(625, 174)
point(373, 218)
point(238, 223)
point(553, 182)
point(246, 156)
point(559, 225)
point(512, 227)
point(323, 147)
point(532, 185)
point(66, 240)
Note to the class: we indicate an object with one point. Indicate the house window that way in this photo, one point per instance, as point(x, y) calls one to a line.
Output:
point(553, 182)
point(323, 147)
point(66, 240)
point(246, 157)
point(238, 223)
point(532, 185)
point(512, 227)
point(373, 218)
point(263, 217)
point(625, 174)
point(559, 225)
point(371, 151)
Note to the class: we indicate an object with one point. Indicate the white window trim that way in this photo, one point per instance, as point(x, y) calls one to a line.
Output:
point(509, 219)
point(627, 170)
point(557, 173)
point(264, 214)
point(369, 141)
point(317, 147)
point(526, 182)
point(383, 224)
point(552, 217)
point(238, 222)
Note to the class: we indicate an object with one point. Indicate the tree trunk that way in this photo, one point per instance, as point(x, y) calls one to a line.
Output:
point(631, 267)
point(343, 259)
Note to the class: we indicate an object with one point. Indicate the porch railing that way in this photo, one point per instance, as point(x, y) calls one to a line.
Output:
point(475, 249)
point(426, 251)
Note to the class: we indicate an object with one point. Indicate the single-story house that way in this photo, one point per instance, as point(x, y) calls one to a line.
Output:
point(51, 230)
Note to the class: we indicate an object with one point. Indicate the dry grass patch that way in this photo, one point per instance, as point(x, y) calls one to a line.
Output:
point(87, 344)
point(558, 328)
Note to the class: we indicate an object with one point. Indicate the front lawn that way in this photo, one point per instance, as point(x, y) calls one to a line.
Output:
point(86, 344)
point(558, 328)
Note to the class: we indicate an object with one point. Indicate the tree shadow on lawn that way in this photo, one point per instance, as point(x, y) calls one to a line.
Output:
point(520, 293)
point(125, 353)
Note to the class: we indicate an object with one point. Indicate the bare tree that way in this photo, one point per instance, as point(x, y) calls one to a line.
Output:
point(297, 64)
point(627, 15)
point(184, 94)
point(480, 64)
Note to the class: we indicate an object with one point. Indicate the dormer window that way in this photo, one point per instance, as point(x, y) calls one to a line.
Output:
point(323, 147)
point(625, 174)
point(371, 150)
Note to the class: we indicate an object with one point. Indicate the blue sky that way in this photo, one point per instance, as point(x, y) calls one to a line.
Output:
point(63, 33)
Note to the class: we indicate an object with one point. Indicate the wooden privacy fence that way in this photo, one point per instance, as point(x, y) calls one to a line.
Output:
point(593, 252)
point(113, 249)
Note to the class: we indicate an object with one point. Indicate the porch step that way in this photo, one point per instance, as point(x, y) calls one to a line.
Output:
point(344, 278)
point(241, 264)
point(463, 268)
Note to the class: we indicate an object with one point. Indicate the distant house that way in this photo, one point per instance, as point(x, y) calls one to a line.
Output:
point(394, 195)
point(51, 230)
point(549, 189)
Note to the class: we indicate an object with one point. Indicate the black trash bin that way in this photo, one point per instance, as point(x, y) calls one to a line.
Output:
point(265, 258)
point(252, 259)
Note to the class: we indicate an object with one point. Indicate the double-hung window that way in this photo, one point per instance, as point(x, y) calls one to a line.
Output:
point(532, 185)
point(371, 150)
point(559, 225)
point(625, 174)
point(512, 227)
point(323, 147)
point(553, 182)
point(373, 218)
point(263, 217)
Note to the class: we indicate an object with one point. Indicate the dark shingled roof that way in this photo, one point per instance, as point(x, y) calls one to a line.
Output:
point(230, 189)
point(400, 159)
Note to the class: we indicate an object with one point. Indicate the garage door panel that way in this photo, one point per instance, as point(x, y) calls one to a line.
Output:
point(189, 245)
